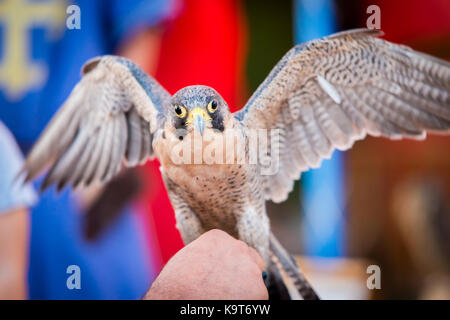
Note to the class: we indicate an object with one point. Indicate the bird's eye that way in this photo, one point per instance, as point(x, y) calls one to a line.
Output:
point(180, 111)
point(212, 106)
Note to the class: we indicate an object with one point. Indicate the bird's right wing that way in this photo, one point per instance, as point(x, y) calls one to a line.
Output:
point(110, 115)
point(328, 93)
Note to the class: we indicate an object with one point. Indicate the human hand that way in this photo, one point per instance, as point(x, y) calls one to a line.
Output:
point(214, 266)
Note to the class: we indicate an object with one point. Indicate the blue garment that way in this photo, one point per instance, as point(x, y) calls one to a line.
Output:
point(116, 266)
point(62, 52)
point(37, 72)
point(324, 188)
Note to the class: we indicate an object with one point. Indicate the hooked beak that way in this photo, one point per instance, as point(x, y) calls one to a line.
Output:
point(199, 124)
point(197, 118)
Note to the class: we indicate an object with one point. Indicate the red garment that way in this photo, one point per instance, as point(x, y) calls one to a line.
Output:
point(203, 45)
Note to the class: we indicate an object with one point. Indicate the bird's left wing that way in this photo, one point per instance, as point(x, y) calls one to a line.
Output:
point(110, 115)
point(328, 93)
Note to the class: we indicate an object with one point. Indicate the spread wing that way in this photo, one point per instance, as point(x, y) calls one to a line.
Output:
point(328, 93)
point(110, 115)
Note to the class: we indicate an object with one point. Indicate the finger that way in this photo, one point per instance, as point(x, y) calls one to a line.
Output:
point(256, 257)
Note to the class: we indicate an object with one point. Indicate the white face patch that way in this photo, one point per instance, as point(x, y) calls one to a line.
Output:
point(329, 89)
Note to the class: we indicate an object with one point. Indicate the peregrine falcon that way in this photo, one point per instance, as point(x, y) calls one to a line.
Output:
point(322, 95)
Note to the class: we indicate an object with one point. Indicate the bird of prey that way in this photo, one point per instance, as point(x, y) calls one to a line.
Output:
point(322, 95)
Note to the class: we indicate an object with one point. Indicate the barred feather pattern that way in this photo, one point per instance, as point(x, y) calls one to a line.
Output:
point(328, 93)
point(107, 122)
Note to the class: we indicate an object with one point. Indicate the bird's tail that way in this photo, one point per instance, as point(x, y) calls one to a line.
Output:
point(290, 267)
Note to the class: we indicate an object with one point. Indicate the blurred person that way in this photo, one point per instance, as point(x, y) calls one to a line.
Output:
point(40, 63)
point(14, 219)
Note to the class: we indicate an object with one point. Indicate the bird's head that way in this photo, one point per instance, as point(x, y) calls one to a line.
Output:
point(198, 108)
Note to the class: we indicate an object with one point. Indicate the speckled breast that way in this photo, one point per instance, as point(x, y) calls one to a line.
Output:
point(219, 194)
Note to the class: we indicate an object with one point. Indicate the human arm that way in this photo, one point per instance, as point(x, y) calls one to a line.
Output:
point(13, 253)
point(14, 220)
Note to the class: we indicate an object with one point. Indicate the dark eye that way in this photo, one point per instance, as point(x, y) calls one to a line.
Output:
point(212, 106)
point(180, 111)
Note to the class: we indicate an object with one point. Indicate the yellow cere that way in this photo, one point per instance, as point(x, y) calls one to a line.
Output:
point(198, 111)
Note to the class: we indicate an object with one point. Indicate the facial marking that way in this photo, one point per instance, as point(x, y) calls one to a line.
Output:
point(205, 109)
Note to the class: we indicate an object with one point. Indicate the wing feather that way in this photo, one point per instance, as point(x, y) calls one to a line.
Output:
point(135, 134)
point(110, 116)
point(146, 147)
point(88, 175)
point(82, 164)
point(108, 149)
point(118, 147)
point(328, 93)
